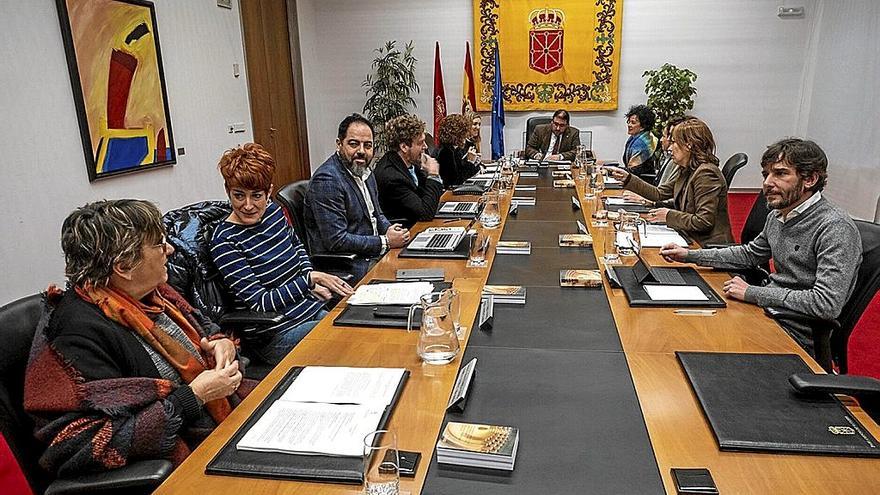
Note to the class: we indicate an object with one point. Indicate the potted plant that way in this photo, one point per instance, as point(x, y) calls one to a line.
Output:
point(670, 93)
point(390, 87)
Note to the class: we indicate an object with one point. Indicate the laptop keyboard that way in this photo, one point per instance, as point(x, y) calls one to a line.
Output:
point(438, 240)
point(668, 276)
point(462, 207)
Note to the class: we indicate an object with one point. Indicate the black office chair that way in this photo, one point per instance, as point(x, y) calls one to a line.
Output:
point(830, 336)
point(432, 146)
point(734, 163)
point(18, 322)
point(531, 124)
point(292, 198)
point(191, 271)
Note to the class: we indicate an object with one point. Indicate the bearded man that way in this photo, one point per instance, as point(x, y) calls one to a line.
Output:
point(815, 246)
point(342, 212)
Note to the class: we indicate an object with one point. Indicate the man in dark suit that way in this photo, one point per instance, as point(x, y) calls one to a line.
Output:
point(342, 212)
point(554, 141)
point(408, 179)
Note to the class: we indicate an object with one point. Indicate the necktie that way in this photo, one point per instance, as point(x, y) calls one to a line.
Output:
point(556, 144)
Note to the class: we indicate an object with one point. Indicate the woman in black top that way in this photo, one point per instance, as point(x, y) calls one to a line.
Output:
point(456, 165)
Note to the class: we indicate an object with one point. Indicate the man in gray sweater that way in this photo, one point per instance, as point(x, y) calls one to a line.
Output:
point(815, 246)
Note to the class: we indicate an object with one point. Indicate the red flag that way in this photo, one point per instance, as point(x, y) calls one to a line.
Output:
point(469, 96)
point(439, 94)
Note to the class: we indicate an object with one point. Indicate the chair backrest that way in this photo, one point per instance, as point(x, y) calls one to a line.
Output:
point(867, 284)
point(432, 146)
point(292, 198)
point(734, 163)
point(531, 124)
point(191, 269)
point(877, 211)
point(18, 322)
point(756, 219)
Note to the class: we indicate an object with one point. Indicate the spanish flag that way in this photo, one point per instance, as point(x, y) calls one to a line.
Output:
point(469, 96)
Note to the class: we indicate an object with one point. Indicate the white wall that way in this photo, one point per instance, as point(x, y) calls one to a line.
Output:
point(842, 101)
point(43, 166)
point(750, 65)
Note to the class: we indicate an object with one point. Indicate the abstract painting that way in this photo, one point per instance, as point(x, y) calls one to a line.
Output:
point(118, 84)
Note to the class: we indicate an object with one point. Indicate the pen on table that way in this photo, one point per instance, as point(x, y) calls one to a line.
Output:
point(470, 224)
point(453, 220)
point(695, 312)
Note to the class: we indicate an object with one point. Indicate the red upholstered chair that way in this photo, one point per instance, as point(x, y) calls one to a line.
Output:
point(863, 347)
point(11, 477)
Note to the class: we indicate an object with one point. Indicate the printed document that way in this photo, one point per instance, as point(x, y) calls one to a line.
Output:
point(340, 385)
point(407, 293)
point(661, 235)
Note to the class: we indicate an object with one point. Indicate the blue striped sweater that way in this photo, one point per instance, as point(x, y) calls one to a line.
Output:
point(266, 267)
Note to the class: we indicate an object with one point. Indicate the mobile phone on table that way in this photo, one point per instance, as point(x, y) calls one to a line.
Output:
point(693, 481)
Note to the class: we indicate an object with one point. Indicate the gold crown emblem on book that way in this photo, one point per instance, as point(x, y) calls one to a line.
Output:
point(546, 19)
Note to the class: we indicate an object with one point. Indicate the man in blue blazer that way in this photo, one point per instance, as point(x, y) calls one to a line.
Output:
point(342, 212)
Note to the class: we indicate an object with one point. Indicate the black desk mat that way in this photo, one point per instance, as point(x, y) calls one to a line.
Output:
point(542, 267)
point(553, 318)
point(581, 428)
point(546, 211)
point(540, 234)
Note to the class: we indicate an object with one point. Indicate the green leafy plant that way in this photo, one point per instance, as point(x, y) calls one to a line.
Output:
point(390, 86)
point(670, 93)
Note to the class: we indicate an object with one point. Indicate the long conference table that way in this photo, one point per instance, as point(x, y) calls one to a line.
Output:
point(594, 386)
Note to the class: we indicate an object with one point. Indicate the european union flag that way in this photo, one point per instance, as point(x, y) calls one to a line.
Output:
point(497, 112)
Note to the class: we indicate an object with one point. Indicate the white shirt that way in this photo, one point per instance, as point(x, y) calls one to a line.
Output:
point(799, 208)
point(371, 209)
point(553, 139)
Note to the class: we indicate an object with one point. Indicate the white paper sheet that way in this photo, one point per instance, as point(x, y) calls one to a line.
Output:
point(309, 428)
point(675, 293)
point(398, 293)
point(619, 201)
point(342, 385)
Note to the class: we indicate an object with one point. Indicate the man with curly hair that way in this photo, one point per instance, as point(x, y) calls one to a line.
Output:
point(408, 178)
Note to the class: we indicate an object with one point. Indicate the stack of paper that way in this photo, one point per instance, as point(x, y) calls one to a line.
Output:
point(402, 293)
point(326, 410)
point(513, 247)
point(661, 235)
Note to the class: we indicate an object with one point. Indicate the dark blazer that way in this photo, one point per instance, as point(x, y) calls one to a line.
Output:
point(454, 168)
point(336, 214)
point(539, 141)
point(698, 199)
point(400, 197)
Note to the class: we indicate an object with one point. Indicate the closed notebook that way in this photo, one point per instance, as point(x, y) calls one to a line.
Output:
point(580, 278)
point(478, 445)
point(513, 247)
point(506, 293)
point(563, 183)
point(575, 240)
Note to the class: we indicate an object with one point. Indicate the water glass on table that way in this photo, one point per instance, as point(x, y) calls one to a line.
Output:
point(381, 464)
point(609, 246)
point(479, 244)
point(490, 217)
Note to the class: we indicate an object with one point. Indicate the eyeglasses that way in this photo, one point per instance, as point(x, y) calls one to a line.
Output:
point(162, 243)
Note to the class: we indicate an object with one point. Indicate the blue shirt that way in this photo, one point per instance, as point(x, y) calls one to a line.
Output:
point(266, 267)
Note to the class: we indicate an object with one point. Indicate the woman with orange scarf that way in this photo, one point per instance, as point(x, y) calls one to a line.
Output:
point(123, 368)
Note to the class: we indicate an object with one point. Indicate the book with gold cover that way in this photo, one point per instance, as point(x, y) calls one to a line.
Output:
point(575, 240)
point(580, 278)
point(479, 445)
point(506, 294)
point(563, 183)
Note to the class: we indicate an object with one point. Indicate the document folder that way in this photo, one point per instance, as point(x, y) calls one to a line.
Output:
point(751, 406)
point(324, 468)
point(382, 316)
point(638, 297)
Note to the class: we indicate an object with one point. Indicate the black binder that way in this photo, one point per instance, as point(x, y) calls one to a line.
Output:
point(393, 316)
point(751, 406)
point(333, 469)
point(635, 292)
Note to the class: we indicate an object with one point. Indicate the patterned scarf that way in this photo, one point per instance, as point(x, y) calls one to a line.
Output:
point(122, 309)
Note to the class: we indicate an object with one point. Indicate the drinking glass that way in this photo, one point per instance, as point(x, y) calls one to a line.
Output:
point(478, 247)
point(629, 224)
point(490, 217)
point(609, 247)
point(381, 464)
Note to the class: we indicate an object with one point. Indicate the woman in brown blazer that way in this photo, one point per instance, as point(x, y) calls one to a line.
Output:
point(696, 203)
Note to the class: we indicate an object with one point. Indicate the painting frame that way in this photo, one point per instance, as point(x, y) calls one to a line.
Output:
point(114, 141)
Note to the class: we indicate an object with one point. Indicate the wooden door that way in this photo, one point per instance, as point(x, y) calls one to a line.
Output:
point(275, 84)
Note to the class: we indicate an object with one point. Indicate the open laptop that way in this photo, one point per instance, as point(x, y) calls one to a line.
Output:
point(438, 239)
point(646, 274)
point(459, 208)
